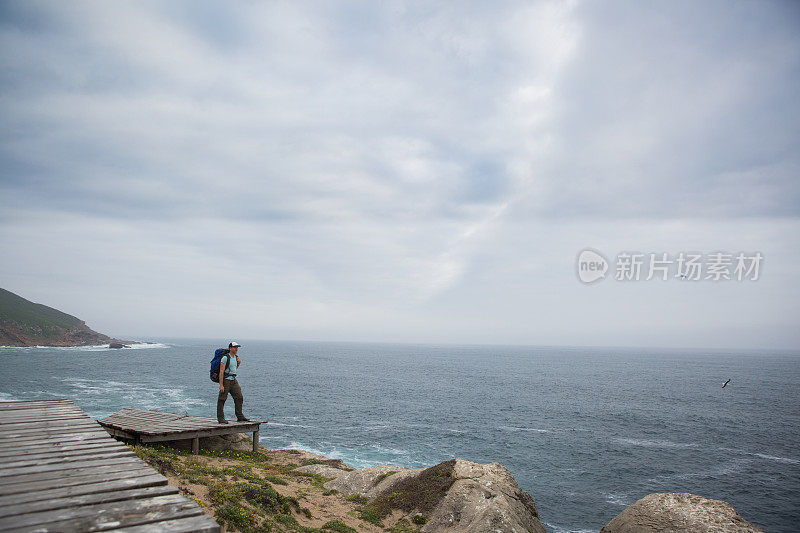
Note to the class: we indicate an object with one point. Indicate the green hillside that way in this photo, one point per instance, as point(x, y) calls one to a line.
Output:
point(25, 323)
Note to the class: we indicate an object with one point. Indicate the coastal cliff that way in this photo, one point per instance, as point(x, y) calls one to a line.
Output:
point(298, 491)
point(25, 323)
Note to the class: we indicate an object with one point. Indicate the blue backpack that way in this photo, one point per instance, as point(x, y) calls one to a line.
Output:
point(218, 355)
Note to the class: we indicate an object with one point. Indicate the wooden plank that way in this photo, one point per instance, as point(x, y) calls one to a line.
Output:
point(151, 479)
point(60, 477)
point(81, 463)
point(196, 445)
point(106, 516)
point(47, 424)
point(85, 499)
point(61, 408)
point(143, 415)
point(51, 411)
point(21, 420)
point(196, 524)
point(56, 448)
point(6, 435)
point(66, 409)
point(27, 403)
point(65, 439)
point(122, 434)
point(191, 434)
point(12, 438)
point(70, 408)
point(255, 441)
point(66, 459)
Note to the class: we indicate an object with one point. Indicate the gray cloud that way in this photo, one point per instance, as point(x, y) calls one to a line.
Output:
point(396, 171)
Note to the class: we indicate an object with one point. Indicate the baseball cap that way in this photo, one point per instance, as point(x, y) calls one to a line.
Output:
point(233, 344)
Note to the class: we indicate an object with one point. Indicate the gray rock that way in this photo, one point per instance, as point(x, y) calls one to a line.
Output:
point(368, 482)
point(456, 495)
point(673, 512)
point(322, 470)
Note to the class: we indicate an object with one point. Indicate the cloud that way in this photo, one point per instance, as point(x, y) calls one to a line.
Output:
point(355, 170)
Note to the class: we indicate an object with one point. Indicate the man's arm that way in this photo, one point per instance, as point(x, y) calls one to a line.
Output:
point(221, 376)
point(238, 362)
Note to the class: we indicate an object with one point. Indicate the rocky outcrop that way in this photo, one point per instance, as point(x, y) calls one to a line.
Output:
point(672, 512)
point(455, 495)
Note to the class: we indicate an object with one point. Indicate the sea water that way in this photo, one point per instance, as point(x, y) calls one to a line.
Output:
point(587, 431)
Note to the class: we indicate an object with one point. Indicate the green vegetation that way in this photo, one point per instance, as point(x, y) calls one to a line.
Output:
point(339, 526)
point(369, 514)
point(385, 475)
point(240, 494)
point(422, 493)
point(233, 515)
point(419, 520)
point(403, 526)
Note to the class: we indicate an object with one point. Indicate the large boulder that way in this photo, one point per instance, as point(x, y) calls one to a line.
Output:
point(671, 511)
point(455, 495)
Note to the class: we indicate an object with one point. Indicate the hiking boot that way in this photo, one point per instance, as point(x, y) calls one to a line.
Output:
point(223, 421)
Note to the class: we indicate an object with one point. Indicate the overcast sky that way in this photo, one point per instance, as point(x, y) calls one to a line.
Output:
point(401, 171)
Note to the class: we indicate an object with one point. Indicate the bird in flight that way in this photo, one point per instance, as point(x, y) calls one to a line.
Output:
point(723, 385)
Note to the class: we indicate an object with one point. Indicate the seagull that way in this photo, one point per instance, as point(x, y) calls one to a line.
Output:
point(723, 385)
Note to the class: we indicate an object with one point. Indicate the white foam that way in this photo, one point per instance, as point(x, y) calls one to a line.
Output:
point(136, 395)
point(768, 457)
point(655, 443)
point(6, 397)
point(617, 499)
point(290, 425)
point(354, 459)
point(91, 348)
point(733, 467)
point(778, 459)
point(516, 428)
point(560, 529)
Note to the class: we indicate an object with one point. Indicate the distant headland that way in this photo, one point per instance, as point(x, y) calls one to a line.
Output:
point(24, 323)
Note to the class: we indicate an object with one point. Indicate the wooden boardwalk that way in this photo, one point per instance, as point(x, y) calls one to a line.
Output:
point(154, 426)
point(61, 471)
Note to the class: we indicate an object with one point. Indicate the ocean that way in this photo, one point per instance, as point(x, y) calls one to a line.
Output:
point(587, 431)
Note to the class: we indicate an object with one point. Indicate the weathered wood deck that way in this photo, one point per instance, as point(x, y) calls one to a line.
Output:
point(154, 426)
point(61, 471)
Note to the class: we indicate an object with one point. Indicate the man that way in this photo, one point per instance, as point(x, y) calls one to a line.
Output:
point(227, 371)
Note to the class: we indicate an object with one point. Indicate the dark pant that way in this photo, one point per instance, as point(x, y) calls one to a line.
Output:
point(232, 386)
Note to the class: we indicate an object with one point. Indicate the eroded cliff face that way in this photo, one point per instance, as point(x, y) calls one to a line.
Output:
point(25, 323)
point(15, 334)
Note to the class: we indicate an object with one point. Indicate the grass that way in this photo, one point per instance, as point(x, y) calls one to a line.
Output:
point(232, 515)
point(385, 475)
point(370, 515)
point(338, 526)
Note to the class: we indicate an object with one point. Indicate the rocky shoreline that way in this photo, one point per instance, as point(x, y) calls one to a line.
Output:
point(454, 496)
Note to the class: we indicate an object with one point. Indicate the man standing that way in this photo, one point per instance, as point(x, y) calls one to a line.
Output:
point(227, 371)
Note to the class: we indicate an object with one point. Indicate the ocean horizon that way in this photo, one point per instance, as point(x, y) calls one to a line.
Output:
point(586, 431)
